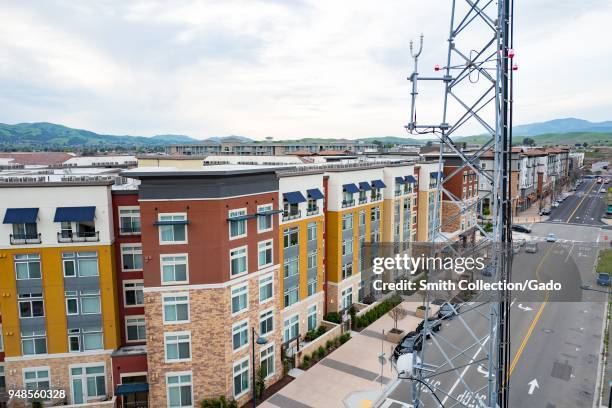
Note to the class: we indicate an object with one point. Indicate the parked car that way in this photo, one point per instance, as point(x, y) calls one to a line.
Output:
point(411, 342)
point(516, 247)
point(433, 325)
point(520, 228)
point(555, 204)
point(551, 238)
point(531, 247)
point(603, 279)
point(545, 211)
point(446, 310)
point(521, 242)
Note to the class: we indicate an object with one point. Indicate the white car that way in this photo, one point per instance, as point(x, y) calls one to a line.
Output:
point(551, 238)
point(555, 204)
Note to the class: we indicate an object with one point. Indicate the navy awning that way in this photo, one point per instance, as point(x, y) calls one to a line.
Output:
point(365, 186)
point(269, 212)
point(410, 179)
point(133, 388)
point(436, 175)
point(242, 217)
point(378, 184)
point(172, 222)
point(400, 180)
point(315, 194)
point(20, 216)
point(294, 197)
point(350, 188)
point(69, 214)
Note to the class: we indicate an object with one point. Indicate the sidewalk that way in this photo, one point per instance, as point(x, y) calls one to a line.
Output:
point(530, 215)
point(353, 368)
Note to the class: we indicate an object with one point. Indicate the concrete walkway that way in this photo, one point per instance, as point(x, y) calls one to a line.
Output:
point(354, 367)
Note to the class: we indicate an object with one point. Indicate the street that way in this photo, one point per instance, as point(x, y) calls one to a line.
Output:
point(555, 343)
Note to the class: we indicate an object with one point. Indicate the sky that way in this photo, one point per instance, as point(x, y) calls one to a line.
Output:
point(285, 69)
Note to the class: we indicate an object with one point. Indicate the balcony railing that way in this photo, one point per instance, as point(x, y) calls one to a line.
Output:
point(348, 203)
point(376, 197)
point(79, 236)
point(312, 211)
point(24, 239)
point(363, 200)
point(291, 215)
point(129, 230)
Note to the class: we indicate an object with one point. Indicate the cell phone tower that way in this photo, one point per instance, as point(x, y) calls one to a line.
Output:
point(477, 82)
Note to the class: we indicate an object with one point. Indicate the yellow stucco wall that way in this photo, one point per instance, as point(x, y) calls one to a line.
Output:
point(54, 299)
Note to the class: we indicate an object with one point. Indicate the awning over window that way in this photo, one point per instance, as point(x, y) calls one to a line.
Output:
point(294, 197)
point(269, 212)
point(69, 214)
point(133, 388)
point(435, 174)
point(350, 188)
point(365, 186)
point(400, 180)
point(315, 194)
point(378, 184)
point(410, 179)
point(172, 222)
point(20, 216)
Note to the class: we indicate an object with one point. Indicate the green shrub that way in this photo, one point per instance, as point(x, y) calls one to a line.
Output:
point(329, 344)
point(305, 363)
point(306, 359)
point(333, 317)
point(345, 337)
point(310, 336)
point(321, 352)
point(220, 402)
point(321, 330)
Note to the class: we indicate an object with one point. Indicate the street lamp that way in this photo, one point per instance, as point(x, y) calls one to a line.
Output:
point(261, 341)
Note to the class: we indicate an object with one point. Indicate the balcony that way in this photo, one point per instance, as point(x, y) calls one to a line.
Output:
point(25, 239)
point(348, 203)
point(312, 211)
point(376, 197)
point(79, 236)
point(287, 216)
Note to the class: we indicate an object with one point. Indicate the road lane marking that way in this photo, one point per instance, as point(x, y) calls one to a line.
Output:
point(580, 203)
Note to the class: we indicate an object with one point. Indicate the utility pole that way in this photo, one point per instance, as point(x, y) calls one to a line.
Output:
point(477, 83)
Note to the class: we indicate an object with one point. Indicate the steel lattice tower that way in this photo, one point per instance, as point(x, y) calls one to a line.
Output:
point(477, 81)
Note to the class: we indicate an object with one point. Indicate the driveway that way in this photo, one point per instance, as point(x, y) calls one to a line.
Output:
point(351, 375)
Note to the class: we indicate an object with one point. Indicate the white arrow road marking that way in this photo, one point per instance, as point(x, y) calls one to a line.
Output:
point(483, 371)
point(525, 308)
point(533, 384)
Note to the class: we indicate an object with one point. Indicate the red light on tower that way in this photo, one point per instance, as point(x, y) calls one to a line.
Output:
point(437, 67)
point(515, 67)
point(510, 53)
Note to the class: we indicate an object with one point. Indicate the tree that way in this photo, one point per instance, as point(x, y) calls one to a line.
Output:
point(397, 314)
point(528, 141)
point(585, 144)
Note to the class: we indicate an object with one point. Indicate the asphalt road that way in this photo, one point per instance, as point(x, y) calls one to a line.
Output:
point(555, 344)
point(585, 207)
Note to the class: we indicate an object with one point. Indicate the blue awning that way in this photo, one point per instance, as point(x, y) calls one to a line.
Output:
point(69, 214)
point(410, 179)
point(378, 184)
point(436, 175)
point(171, 222)
point(133, 388)
point(350, 188)
point(294, 197)
point(315, 194)
point(20, 216)
point(269, 212)
point(400, 180)
point(365, 186)
point(242, 217)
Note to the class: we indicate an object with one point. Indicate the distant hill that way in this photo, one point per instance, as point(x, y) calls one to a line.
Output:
point(565, 125)
point(396, 140)
point(592, 138)
point(231, 138)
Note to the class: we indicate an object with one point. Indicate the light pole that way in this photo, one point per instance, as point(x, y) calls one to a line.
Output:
point(261, 341)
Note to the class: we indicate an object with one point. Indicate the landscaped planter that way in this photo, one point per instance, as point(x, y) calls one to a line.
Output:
point(394, 335)
point(420, 312)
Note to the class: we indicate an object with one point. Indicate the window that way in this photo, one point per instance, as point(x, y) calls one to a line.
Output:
point(347, 246)
point(129, 220)
point(312, 260)
point(237, 228)
point(291, 328)
point(347, 270)
point(88, 383)
point(37, 378)
point(347, 221)
point(179, 389)
point(131, 257)
point(312, 287)
point(72, 302)
point(311, 206)
point(85, 339)
point(133, 293)
point(347, 298)
point(178, 346)
point(90, 302)
point(174, 269)
point(291, 296)
point(264, 222)
point(240, 298)
point(135, 328)
point(266, 322)
point(176, 308)
point(375, 214)
point(266, 360)
point(33, 342)
point(31, 305)
point(266, 288)
point(241, 378)
point(312, 317)
point(264, 251)
point(347, 198)
point(238, 261)
point(290, 237)
point(291, 267)
point(82, 264)
point(172, 228)
point(240, 335)
point(290, 210)
point(312, 231)
point(362, 218)
point(25, 231)
point(27, 266)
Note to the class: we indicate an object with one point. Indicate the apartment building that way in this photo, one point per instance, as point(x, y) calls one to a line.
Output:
point(211, 272)
point(268, 148)
point(301, 251)
point(59, 294)
point(399, 211)
point(428, 212)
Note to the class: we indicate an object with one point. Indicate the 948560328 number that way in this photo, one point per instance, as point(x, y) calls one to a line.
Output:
point(36, 394)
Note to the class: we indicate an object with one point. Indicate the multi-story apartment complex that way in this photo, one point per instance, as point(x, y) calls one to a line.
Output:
point(268, 148)
point(428, 213)
point(58, 284)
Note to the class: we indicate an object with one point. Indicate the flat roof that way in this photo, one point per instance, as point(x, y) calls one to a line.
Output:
point(214, 170)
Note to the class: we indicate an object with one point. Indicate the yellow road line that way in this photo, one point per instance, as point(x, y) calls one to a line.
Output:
point(519, 352)
point(580, 203)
